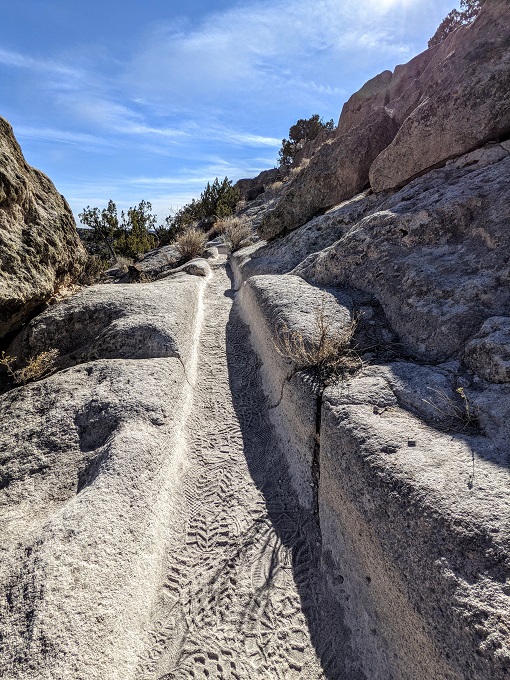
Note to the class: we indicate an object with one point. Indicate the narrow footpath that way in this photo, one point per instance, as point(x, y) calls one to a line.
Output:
point(241, 593)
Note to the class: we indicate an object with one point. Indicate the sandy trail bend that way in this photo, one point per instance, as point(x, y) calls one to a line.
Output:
point(241, 595)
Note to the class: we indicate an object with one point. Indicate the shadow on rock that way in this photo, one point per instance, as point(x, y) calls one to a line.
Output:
point(299, 546)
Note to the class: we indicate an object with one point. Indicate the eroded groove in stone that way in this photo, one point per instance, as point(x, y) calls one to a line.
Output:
point(241, 593)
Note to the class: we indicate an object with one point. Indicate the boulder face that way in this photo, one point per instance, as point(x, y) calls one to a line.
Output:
point(40, 249)
point(435, 254)
point(337, 171)
point(463, 100)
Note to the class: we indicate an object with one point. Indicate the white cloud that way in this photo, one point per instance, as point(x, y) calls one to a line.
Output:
point(62, 136)
point(23, 61)
point(271, 47)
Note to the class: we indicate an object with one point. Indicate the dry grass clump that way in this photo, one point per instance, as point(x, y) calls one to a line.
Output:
point(36, 366)
point(328, 355)
point(191, 243)
point(461, 412)
point(236, 231)
point(124, 262)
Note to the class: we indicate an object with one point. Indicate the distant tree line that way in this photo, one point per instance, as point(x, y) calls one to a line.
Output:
point(136, 232)
point(456, 18)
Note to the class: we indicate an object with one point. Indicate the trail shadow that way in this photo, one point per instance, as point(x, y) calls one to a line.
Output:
point(297, 529)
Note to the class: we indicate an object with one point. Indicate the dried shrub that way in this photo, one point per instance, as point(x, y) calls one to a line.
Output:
point(460, 411)
point(236, 231)
point(190, 243)
point(328, 354)
point(94, 269)
point(36, 366)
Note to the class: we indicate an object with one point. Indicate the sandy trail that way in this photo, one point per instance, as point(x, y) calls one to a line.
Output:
point(241, 593)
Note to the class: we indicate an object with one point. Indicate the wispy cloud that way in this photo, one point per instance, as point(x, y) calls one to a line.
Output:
point(275, 48)
point(62, 136)
point(23, 61)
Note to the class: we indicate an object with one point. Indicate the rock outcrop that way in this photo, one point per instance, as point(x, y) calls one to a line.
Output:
point(39, 247)
point(435, 254)
point(447, 101)
point(338, 170)
point(406, 463)
point(459, 101)
point(90, 463)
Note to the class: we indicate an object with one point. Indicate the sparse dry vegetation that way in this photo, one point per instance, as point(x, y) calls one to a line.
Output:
point(459, 411)
point(236, 231)
point(36, 367)
point(94, 268)
point(191, 243)
point(329, 354)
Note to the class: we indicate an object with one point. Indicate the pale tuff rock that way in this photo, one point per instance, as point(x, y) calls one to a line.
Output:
point(122, 321)
point(90, 462)
point(282, 255)
point(434, 254)
point(39, 246)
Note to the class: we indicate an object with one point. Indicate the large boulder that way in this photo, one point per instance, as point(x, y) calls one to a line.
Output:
point(39, 246)
point(337, 171)
point(90, 461)
point(435, 254)
point(457, 103)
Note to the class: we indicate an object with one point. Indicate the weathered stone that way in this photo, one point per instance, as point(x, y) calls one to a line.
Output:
point(464, 99)
point(488, 352)
point(116, 321)
point(196, 267)
point(415, 529)
point(39, 246)
point(158, 260)
point(89, 467)
point(271, 304)
point(434, 254)
point(282, 255)
point(337, 172)
point(412, 501)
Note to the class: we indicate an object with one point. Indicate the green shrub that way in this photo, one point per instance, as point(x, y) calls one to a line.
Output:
point(304, 130)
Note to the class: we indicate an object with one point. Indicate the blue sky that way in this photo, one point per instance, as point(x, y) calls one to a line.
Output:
point(150, 99)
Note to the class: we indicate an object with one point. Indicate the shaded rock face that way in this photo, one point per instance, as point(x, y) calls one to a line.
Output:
point(249, 189)
point(458, 102)
point(338, 170)
point(39, 245)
